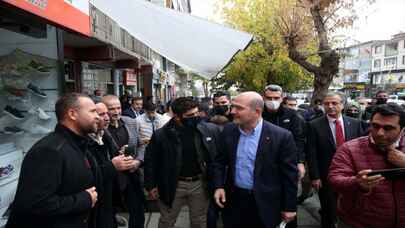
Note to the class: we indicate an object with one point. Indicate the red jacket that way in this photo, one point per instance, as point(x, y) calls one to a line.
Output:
point(384, 205)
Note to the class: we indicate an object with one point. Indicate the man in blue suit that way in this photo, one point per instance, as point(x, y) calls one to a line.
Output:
point(255, 171)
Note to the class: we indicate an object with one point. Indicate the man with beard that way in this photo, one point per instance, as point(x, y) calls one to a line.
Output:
point(366, 200)
point(177, 162)
point(381, 97)
point(58, 176)
point(122, 131)
point(102, 149)
point(255, 170)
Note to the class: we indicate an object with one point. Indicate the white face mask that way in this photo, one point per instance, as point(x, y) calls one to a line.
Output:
point(272, 105)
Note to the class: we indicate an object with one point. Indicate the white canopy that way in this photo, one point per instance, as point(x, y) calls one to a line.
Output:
point(191, 42)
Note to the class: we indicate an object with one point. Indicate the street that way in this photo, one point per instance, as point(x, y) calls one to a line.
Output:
point(308, 216)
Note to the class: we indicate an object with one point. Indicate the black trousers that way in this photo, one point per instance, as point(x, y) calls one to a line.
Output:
point(135, 202)
point(241, 210)
point(213, 214)
point(327, 198)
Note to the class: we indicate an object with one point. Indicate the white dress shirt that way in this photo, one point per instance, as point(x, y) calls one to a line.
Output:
point(332, 126)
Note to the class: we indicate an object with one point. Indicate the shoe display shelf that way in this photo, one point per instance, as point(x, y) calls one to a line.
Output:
point(10, 164)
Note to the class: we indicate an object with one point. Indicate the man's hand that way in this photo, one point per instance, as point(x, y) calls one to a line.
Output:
point(396, 157)
point(145, 142)
point(301, 171)
point(154, 194)
point(219, 197)
point(122, 149)
point(288, 216)
point(122, 163)
point(366, 182)
point(317, 184)
point(136, 164)
point(93, 195)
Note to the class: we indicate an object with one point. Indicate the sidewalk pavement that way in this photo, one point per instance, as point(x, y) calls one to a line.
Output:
point(308, 216)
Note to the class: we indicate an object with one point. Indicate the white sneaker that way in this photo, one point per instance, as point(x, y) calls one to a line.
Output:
point(32, 111)
point(42, 115)
point(37, 129)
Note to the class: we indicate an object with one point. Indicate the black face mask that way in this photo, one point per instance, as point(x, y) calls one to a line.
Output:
point(191, 122)
point(353, 114)
point(381, 101)
point(221, 110)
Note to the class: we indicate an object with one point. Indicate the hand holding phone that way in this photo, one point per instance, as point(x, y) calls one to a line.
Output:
point(367, 179)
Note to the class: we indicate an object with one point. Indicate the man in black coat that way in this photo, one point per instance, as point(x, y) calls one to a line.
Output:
point(255, 170)
point(275, 113)
point(325, 135)
point(176, 162)
point(56, 186)
point(109, 162)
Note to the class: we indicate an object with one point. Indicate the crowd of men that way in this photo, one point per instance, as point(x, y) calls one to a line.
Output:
point(239, 161)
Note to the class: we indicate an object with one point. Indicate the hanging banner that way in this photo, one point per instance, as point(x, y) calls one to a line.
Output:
point(72, 14)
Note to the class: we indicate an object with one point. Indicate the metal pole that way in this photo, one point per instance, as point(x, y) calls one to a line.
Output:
point(116, 82)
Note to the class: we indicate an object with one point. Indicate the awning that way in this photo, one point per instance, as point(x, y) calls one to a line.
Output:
point(191, 42)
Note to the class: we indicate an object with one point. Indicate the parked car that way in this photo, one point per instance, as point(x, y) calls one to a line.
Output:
point(395, 99)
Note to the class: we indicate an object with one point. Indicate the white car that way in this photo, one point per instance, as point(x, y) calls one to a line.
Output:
point(394, 99)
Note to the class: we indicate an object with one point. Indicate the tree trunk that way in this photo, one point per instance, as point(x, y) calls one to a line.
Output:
point(321, 87)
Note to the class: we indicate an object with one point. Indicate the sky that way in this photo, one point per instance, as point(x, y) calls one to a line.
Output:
point(378, 21)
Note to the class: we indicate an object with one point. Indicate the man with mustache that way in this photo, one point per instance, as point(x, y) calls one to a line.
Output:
point(109, 162)
point(326, 134)
point(123, 133)
point(372, 201)
point(58, 176)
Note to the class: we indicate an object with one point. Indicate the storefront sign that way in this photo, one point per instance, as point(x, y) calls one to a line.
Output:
point(355, 86)
point(72, 14)
point(130, 78)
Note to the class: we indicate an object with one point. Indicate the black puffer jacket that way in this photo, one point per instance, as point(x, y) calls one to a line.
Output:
point(163, 157)
point(290, 120)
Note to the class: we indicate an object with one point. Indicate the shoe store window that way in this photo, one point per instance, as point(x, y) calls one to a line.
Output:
point(28, 92)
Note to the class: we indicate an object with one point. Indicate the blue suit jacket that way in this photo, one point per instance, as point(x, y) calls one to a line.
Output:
point(130, 113)
point(275, 173)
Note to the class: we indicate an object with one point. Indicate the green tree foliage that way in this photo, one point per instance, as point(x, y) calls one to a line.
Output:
point(266, 60)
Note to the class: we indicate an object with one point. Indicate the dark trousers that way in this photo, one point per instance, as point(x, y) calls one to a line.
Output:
point(241, 210)
point(327, 198)
point(135, 201)
point(213, 214)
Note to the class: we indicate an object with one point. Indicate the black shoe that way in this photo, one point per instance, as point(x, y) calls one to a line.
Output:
point(13, 112)
point(36, 90)
point(13, 130)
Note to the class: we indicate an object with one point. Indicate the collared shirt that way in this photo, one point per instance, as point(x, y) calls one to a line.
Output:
point(98, 137)
point(246, 156)
point(135, 112)
point(332, 126)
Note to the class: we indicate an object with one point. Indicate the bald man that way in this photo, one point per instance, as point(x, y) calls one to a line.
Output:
point(255, 171)
point(109, 161)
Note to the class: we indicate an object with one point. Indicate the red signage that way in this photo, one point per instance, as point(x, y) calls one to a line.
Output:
point(72, 14)
point(130, 78)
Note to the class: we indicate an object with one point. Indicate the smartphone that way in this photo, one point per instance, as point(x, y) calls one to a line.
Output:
point(129, 151)
point(389, 174)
